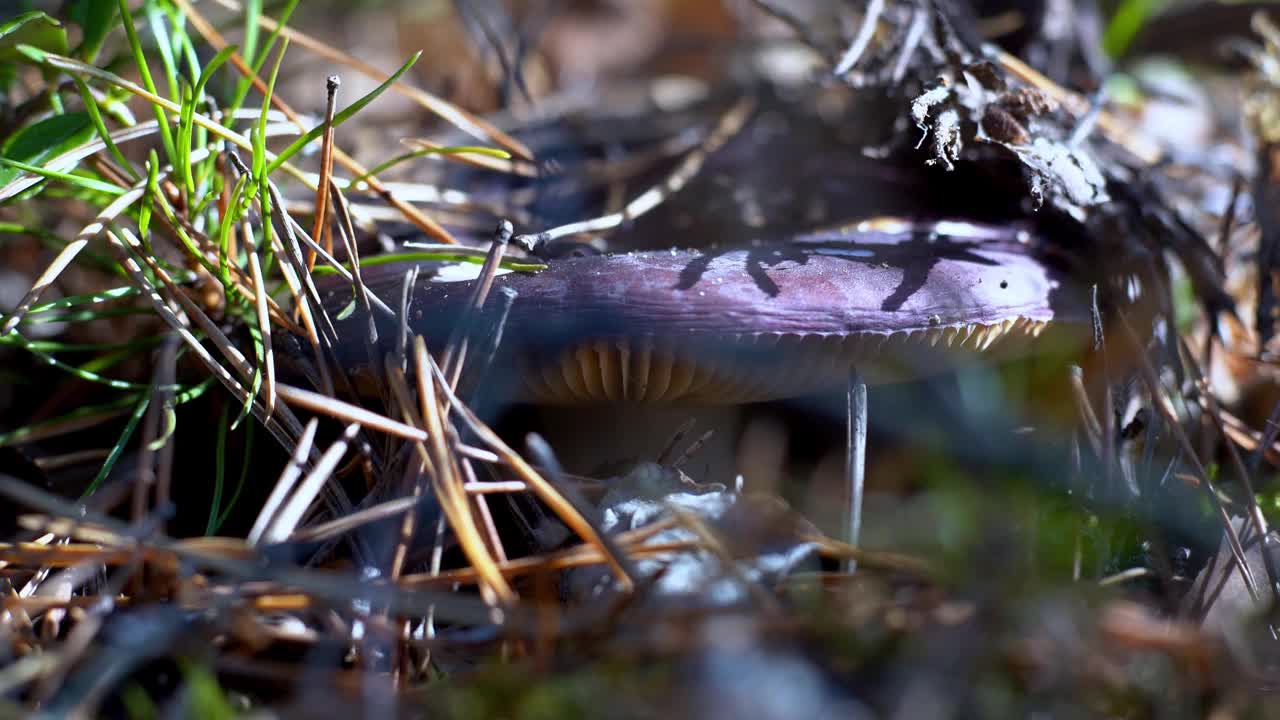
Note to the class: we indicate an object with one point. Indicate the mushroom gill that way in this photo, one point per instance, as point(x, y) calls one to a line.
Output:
point(644, 372)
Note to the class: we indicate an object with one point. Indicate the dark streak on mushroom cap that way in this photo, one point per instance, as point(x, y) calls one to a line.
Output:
point(757, 324)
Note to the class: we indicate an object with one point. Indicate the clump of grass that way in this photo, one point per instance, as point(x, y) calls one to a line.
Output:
point(175, 162)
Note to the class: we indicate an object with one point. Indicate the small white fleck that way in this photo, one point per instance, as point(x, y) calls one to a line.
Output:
point(461, 272)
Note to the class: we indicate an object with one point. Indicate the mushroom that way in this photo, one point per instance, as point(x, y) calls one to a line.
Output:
point(876, 302)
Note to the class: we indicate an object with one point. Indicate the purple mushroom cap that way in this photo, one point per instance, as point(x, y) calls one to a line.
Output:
point(761, 323)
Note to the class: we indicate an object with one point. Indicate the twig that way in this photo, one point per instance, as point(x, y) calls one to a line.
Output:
point(862, 39)
point(1242, 470)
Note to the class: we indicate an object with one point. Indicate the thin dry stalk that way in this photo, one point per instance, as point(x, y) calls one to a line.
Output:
point(484, 162)
point(455, 352)
point(62, 426)
point(1209, 403)
point(729, 125)
point(68, 254)
point(332, 407)
point(284, 485)
point(492, 487)
point(481, 504)
point(50, 463)
point(348, 232)
point(710, 542)
point(692, 450)
point(1152, 381)
point(402, 321)
point(1116, 131)
point(1250, 439)
point(293, 510)
point(156, 463)
point(206, 30)
point(1088, 419)
point(472, 125)
point(447, 481)
point(862, 40)
point(669, 449)
point(264, 328)
point(284, 434)
point(326, 167)
point(525, 472)
point(402, 398)
point(582, 556)
point(334, 529)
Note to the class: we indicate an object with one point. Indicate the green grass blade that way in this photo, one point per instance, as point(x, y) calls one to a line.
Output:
point(422, 152)
point(240, 482)
point(144, 72)
point(260, 171)
point(85, 299)
point(219, 471)
point(95, 116)
point(138, 411)
point(19, 435)
point(256, 63)
point(80, 181)
point(83, 373)
point(343, 116)
point(1124, 25)
point(447, 253)
point(52, 346)
point(186, 121)
point(252, 14)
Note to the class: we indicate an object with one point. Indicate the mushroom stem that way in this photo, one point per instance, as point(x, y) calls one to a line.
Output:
point(855, 457)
